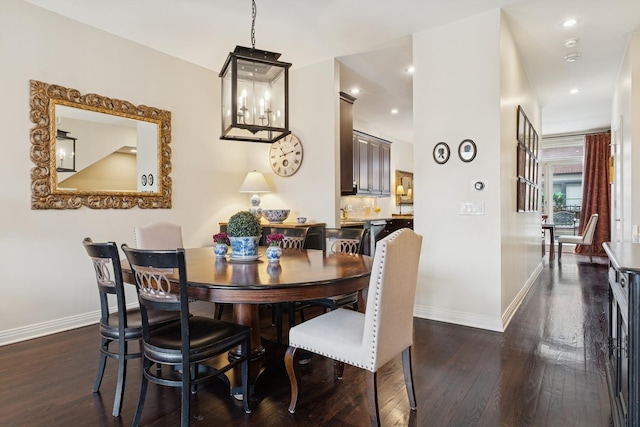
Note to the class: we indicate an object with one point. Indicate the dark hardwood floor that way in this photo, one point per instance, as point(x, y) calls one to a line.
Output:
point(547, 369)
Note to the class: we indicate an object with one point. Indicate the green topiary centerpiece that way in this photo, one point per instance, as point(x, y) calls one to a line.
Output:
point(244, 232)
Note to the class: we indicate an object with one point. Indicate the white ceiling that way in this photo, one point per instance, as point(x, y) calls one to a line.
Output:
point(373, 41)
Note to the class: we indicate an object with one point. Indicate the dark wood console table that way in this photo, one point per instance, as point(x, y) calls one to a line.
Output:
point(315, 236)
point(623, 362)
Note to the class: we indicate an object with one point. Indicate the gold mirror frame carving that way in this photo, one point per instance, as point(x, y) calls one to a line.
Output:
point(44, 191)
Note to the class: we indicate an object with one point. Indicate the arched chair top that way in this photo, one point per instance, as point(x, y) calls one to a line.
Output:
point(159, 235)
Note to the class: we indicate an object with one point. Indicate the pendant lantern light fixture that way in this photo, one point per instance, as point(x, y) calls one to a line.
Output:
point(255, 93)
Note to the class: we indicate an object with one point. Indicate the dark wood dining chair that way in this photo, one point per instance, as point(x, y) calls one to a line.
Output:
point(123, 325)
point(294, 239)
point(341, 240)
point(184, 345)
point(368, 340)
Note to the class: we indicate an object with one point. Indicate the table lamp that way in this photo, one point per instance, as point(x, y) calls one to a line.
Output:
point(255, 183)
point(399, 193)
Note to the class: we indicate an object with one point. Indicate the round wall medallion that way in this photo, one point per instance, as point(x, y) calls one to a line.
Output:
point(467, 150)
point(441, 153)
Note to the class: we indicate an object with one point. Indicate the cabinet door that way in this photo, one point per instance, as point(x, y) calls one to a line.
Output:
point(347, 154)
point(364, 183)
point(375, 163)
point(385, 169)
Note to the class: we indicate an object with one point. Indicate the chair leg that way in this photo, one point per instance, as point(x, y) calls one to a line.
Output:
point(101, 365)
point(219, 310)
point(408, 377)
point(302, 318)
point(291, 309)
point(143, 393)
point(559, 250)
point(291, 370)
point(245, 348)
point(122, 375)
point(187, 372)
point(277, 307)
point(591, 253)
point(372, 395)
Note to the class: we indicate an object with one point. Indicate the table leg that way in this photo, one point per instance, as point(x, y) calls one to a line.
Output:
point(249, 315)
point(552, 239)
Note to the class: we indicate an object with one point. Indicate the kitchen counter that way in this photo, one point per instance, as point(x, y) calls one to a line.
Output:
point(361, 220)
point(377, 227)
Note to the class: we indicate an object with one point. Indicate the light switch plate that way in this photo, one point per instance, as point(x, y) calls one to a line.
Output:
point(472, 208)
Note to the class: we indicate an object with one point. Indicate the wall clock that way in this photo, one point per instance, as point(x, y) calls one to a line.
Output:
point(285, 155)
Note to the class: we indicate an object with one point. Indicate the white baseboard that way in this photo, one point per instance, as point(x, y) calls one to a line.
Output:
point(458, 318)
point(36, 330)
point(474, 321)
point(517, 301)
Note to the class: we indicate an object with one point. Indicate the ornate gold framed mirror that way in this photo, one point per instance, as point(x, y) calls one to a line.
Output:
point(404, 188)
point(120, 154)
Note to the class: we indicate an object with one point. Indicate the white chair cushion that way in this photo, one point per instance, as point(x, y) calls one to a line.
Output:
point(570, 239)
point(337, 335)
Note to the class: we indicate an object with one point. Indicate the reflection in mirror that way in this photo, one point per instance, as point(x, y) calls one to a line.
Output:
point(405, 179)
point(120, 156)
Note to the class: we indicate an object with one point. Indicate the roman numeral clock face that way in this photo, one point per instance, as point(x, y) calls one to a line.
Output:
point(285, 155)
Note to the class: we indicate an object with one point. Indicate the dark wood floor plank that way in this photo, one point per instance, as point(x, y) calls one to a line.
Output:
point(546, 369)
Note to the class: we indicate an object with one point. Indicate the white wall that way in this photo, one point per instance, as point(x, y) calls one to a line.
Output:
point(458, 94)
point(625, 124)
point(520, 231)
point(48, 283)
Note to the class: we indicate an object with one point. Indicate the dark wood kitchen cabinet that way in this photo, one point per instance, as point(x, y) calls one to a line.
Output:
point(373, 164)
point(623, 349)
point(347, 154)
point(365, 160)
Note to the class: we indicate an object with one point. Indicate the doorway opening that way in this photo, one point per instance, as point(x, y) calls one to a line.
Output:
point(561, 179)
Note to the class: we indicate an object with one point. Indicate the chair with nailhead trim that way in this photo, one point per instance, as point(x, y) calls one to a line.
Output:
point(371, 339)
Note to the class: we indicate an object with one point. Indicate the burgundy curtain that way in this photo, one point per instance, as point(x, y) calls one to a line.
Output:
point(596, 190)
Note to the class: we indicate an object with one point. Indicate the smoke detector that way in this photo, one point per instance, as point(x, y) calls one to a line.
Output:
point(572, 57)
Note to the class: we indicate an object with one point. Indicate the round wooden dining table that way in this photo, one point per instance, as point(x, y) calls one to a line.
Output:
point(297, 276)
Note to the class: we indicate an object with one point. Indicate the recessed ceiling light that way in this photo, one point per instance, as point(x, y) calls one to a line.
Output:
point(569, 43)
point(355, 91)
point(394, 111)
point(569, 22)
point(574, 91)
point(411, 69)
point(572, 57)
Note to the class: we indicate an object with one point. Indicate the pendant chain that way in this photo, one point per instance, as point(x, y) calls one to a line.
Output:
point(253, 24)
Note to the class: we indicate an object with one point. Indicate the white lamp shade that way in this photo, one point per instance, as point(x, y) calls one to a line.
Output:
point(400, 189)
point(255, 183)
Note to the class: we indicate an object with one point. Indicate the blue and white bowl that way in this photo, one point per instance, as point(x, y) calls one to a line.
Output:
point(275, 216)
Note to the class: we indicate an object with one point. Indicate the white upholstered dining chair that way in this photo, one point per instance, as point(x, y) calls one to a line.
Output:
point(585, 239)
point(159, 235)
point(368, 340)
